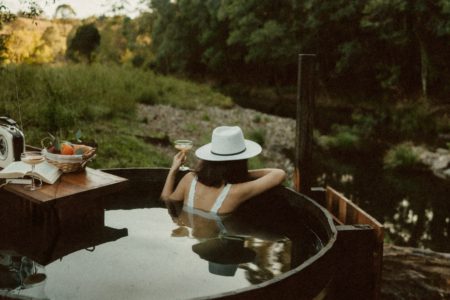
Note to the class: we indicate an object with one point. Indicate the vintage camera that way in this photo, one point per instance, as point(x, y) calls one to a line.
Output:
point(12, 141)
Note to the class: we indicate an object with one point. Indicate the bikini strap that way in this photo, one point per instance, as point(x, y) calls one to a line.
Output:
point(219, 201)
point(191, 195)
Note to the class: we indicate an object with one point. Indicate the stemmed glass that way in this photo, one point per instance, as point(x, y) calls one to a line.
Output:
point(32, 158)
point(184, 146)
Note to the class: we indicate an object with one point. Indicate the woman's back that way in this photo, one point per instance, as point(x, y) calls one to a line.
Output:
point(222, 180)
point(207, 198)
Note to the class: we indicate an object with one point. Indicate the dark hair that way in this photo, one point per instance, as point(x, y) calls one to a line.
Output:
point(216, 173)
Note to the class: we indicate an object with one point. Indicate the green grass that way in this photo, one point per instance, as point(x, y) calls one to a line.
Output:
point(99, 100)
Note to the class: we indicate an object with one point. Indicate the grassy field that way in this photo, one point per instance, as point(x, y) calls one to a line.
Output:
point(99, 100)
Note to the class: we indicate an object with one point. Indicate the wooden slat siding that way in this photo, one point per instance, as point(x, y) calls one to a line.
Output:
point(331, 206)
point(350, 214)
point(342, 208)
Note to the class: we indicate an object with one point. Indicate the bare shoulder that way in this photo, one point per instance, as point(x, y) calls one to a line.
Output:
point(187, 179)
point(182, 187)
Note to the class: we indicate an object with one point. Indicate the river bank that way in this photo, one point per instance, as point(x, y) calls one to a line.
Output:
point(412, 273)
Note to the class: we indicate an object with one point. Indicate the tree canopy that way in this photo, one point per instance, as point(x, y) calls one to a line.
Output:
point(375, 47)
point(83, 44)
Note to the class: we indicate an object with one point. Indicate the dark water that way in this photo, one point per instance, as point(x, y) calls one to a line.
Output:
point(414, 206)
point(149, 251)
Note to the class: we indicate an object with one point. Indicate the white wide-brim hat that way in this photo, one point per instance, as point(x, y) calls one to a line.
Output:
point(228, 143)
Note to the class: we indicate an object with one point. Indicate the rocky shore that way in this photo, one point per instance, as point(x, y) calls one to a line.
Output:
point(411, 273)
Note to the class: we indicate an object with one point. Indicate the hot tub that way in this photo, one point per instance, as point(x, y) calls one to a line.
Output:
point(134, 246)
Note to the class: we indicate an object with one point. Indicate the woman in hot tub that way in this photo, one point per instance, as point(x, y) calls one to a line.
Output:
point(222, 181)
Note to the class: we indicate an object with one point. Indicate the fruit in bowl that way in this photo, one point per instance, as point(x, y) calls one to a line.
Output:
point(53, 145)
point(67, 156)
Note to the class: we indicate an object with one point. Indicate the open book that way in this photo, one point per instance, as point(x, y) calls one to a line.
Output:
point(46, 172)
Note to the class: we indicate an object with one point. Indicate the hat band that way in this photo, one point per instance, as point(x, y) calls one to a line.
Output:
point(230, 153)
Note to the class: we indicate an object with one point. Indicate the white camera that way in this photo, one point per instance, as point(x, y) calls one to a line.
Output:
point(12, 141)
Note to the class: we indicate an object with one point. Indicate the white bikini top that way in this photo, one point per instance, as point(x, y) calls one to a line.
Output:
point(219, 200)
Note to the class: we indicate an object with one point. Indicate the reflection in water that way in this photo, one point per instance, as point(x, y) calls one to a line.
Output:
point(226, 244)
point(34, 236)
point(21, 277)
point(413, 206)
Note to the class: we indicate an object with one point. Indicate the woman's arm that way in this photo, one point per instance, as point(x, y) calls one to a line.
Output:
point(263, 180)
point(258, 173)
point(168, 189)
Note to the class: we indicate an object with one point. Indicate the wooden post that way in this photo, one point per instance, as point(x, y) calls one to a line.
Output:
point(305, 120)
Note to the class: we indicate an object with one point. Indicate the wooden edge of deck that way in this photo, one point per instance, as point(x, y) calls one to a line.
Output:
point(348, 213)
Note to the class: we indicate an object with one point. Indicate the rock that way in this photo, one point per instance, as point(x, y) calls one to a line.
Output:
point(442, 151)
point(441, 162)
point(411, 273)
point(428, 157)
point(447, 173)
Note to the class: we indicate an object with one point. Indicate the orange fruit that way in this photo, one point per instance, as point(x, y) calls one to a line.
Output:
point(67, 149)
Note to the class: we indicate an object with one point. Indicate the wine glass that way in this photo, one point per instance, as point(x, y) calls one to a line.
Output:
point(184, 146)
point(32, 158)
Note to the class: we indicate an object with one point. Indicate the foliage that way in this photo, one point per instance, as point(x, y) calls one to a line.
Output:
point(364, 48)
point(402, 156)
point(343, 139)
point(84, 43)
point(5, 17)
point(33, 41)
point(100, 100)
point(258, 135)
point(359, 135)
point(408, 120)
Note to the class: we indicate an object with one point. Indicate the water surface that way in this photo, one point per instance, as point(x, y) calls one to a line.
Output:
point(149, 252)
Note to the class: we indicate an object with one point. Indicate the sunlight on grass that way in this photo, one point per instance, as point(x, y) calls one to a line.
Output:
point(99, 100)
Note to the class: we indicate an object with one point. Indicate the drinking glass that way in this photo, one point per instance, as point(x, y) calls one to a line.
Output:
point(184, 146)
point(32, 158)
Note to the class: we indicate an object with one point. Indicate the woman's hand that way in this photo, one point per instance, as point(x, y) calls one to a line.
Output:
point(178, 160)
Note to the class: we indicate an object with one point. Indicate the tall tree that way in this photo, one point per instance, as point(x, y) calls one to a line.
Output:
point(416, 36)
point(84, 43)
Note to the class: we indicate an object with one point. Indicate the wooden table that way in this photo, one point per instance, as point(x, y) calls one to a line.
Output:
point(75, 199)
point(89, 183)
point(60, 218)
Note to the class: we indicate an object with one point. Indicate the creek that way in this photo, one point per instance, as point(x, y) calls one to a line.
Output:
point(413, 205)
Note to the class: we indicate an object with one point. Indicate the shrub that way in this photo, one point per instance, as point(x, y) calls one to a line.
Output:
point(402, 156)
point(343, 138)
point(413, 120)
point(258, 136)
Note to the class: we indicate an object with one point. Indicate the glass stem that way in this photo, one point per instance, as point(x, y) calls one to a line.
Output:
point(32, 178)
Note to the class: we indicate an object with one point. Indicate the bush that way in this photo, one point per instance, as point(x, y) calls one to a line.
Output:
point(402, 157)
point(413, 120)
point(343, 138)
point(258, 136)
